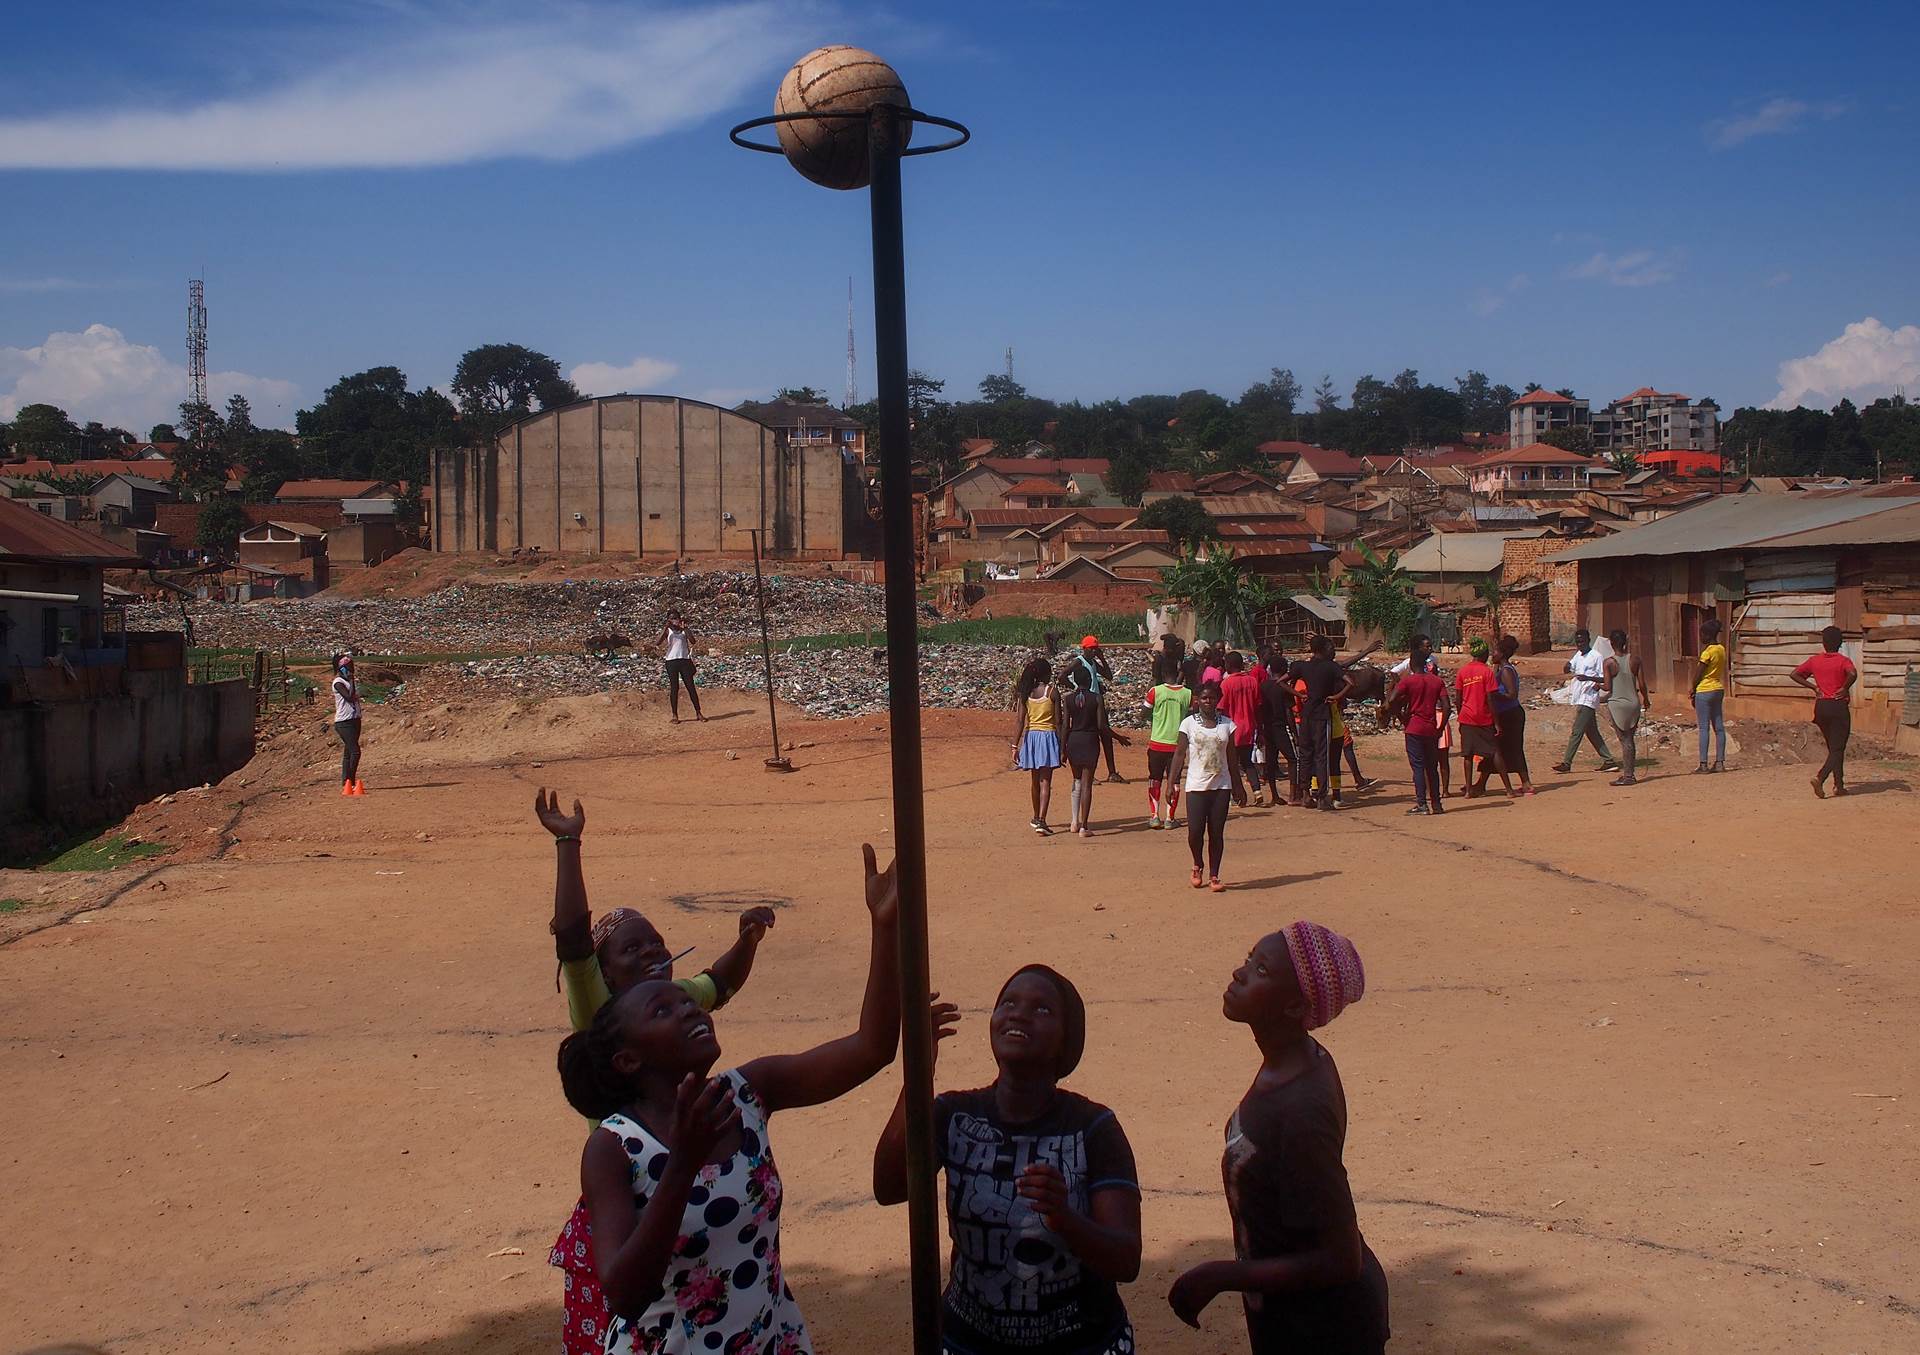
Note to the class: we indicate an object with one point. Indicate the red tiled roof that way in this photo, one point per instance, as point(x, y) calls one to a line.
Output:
point(1246, 549)
point(1542, 397)
point(1266, 528)
point(181, 521)
point(1035, 486)
point(1170, 482)
point(1284, 447)
point(1114, 536)
point(1649, 393)
point(1534, 454)
point(26, 534)
point(99, 468)
point(1041, 465)
point(1332, 461)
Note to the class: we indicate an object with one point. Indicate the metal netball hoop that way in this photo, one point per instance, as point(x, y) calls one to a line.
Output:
point(910, 114)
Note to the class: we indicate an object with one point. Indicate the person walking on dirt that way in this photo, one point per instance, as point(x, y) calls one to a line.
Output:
point(1205, 755)
point(1589, 684)
point(1240, 702)
point(598, 959)
point(1098, 675)
point(346, 724)
point(1322, 681)
point(1830, 676)
point(676, 646)
point(1308, 1280)
point(1475, 684)
point(1419, 701)
point(1510, 713)
point(1167, 705)
point(1710, 695)
point(1626, 698)
point(1084, 717)
point(1043, 1200)
point(683, 1192)
point(1037, 737)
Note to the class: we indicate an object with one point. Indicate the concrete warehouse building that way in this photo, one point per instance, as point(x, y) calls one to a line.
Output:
point(647, 474)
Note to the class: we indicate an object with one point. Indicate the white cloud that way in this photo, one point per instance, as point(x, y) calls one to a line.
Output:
point(1779, 279)
point(641, 376)
point(449, 90)
point(1773, 118)
point(729, 396)
point(1488, 300)
point(1636, 268)
point(97, 375)
point(1866, 362)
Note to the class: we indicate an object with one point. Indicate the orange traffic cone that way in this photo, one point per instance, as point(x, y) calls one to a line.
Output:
point(359, 787)
point(346, 787)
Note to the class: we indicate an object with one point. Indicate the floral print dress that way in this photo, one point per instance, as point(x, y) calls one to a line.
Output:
point(725, 1293)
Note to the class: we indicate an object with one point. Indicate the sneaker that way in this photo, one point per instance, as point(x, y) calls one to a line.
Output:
point(1198, 879)
point(1215, 885)
point(1153, 821)
point(1439, 809)
point(1418, 809)
point(1365, 782)
point(1609, 766)
point(1701, 768)
point(1562, 767)
point(1718, 767)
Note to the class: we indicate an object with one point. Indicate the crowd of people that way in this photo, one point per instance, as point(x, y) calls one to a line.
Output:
point(674, 1246)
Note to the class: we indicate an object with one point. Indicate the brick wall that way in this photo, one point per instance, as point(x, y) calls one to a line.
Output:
point(1043, 599)
point(1521, 560)
point(181, 521)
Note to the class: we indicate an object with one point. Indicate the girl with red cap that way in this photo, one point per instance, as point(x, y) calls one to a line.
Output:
point(1306, 1275)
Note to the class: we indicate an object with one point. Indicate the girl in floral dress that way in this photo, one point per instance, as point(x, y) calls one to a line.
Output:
point(680, 1181)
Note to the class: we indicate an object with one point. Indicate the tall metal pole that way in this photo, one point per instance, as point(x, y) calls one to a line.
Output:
point(886, 133)
point(776, 762)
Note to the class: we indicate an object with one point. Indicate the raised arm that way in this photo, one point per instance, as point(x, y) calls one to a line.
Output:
point(890, 1179)
point(786, 1081)
point(631, 1248)
point(572, 938)
point(731, 970)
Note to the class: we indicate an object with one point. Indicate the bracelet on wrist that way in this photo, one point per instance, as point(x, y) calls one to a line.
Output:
point(560, 838)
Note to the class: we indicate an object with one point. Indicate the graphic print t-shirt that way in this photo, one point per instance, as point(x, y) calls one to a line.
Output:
point(1474, 682)
point(1209, 766)
point(1013, 1283)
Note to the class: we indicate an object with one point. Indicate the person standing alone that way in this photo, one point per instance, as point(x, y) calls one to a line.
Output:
point(1710, 695)
point(346, 724)
point(677, 641)
point(1830, 676)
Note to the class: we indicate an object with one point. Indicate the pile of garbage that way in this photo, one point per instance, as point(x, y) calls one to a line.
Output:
point(599, 615)
point(827, 684)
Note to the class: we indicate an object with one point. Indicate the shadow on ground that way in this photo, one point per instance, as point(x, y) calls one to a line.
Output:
point(1447, 1299)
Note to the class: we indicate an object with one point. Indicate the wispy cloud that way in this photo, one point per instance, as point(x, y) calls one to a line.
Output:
point(1867, 361)
point(1779, 279)
point(97, 374)
point(641, 375)
point(1636, 268)
point(449, 89)
point(1775, 117)
point(1489, 299)
point(47, 284)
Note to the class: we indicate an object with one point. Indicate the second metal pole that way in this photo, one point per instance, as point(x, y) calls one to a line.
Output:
point(886, 133)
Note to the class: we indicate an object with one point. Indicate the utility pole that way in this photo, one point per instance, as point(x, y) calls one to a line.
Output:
point(852, 393)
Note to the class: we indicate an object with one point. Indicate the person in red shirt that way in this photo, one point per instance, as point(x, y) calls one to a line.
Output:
point(1830, 676)
point(1475, 684)
point(1240, 703)
point(1419, 700)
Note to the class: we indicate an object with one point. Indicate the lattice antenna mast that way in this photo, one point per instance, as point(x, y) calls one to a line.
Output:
point(197, 347)
point(852, 391)
point(1009, 362)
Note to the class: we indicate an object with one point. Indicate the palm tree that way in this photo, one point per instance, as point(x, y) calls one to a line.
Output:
point(1381, 596)
point(1224, 598)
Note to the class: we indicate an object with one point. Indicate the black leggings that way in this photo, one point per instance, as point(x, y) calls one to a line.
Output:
point(1835, 719)
point(680, 671)
point(349, 732)
point(1207, 821)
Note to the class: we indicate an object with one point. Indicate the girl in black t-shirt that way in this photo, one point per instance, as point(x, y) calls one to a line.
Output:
point(1309, 1282)
point(1043, 1203)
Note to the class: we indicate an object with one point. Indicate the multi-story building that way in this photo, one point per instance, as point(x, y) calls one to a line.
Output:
point(1649, 421)
point(1539, 412)
point(812, 426)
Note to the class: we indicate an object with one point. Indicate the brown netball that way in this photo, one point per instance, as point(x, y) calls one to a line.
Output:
point(833, 151)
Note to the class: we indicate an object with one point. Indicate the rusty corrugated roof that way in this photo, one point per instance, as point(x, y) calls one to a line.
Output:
point(29, 535)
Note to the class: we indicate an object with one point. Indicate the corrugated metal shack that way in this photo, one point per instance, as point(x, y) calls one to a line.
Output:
point(1776, 570)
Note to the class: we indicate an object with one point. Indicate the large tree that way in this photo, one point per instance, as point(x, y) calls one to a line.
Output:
point(1182, 519)
point(44, 432)
point(799, 395)
point(497, 383)
point(201, 461)
point(999, 389)
point(370, 426)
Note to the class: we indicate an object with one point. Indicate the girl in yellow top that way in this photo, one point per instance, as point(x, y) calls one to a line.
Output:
point(1710, 695)
point(1036, 737)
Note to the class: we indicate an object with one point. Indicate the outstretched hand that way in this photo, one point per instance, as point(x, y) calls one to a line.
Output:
point(546, 807)
point(946, 1022)
point(703, 1113)
point(756, 922)
point(883, 887)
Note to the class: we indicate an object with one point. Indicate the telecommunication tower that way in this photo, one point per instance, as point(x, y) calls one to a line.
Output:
point(852, 392)
point(197, 341)
point(1009, 362)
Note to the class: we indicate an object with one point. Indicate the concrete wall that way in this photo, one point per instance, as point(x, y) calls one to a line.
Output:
point(73, 764)
point(641, 473)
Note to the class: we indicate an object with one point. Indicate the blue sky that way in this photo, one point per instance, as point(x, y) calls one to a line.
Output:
point(1156, 198)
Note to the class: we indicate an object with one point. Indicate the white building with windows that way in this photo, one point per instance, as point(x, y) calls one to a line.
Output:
point(1650, 421)
point(1539, 412)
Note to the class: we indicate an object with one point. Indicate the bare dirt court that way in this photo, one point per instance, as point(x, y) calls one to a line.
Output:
point(1635, 1070)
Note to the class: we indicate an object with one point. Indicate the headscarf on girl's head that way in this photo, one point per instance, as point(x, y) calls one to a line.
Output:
point(1328, 970)
point(1073, 1015)
point(603, 926)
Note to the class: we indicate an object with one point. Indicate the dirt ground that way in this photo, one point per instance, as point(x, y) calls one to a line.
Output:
point(1634, 1071)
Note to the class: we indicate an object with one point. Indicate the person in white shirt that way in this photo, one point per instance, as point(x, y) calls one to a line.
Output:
point(677, 648)
point(1205, 754)
point(1589, 671)
point(346, 724)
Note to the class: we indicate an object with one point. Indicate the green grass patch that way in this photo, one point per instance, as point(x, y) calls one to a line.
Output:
point(102, 853)
point(376, 693)
point(1022, 631)
point(12, 905)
